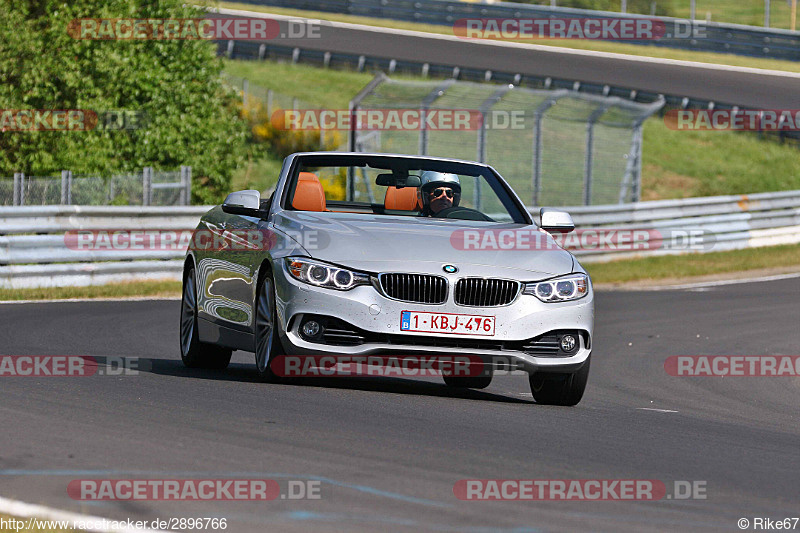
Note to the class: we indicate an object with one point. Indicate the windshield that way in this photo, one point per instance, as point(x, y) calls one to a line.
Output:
point(396, 186)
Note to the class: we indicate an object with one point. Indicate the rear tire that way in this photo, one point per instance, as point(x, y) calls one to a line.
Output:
point(559, 388)
point(196, 354)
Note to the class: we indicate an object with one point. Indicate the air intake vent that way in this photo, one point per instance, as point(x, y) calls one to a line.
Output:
point(482, 292)
point(416, 288)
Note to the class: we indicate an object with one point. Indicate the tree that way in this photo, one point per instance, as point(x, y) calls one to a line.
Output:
point(191, 117)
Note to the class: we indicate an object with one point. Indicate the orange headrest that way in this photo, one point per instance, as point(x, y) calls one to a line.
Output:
point(308, 195)
point(404, 199)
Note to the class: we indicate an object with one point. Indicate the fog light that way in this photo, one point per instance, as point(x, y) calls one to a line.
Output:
point(568, 343)
point(311, 328)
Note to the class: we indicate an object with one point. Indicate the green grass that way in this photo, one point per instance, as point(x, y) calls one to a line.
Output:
point(750, 12)
point(692, 265)
point(258, 173)
point(676, 163)
point(681, 164)
point(165, 288)
point(742, 13)
point(316, 86)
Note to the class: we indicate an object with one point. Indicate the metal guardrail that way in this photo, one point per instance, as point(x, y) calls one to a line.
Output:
point(145, 188)
point(720, 222)
point(35, 253)
point(716, 37)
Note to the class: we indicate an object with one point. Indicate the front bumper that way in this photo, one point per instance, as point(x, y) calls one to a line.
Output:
point(367, 309)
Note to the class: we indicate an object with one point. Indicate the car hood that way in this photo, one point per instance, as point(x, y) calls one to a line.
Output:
point(380, 243)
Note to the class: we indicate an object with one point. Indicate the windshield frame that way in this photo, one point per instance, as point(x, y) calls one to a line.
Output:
point(506, 195)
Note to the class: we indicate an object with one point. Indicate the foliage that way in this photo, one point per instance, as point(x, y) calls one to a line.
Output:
point(191, 116)
point(280, 140)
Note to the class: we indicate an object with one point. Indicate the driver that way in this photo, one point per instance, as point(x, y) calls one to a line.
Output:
point(438, 191)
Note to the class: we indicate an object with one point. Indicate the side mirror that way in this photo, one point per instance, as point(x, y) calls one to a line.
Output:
point(555, 221)
point(247, 203)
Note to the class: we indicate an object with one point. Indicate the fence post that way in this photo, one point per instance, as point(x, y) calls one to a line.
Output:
point(21, 188)
point(424, 106)
point(65, 187)
point(186, 183)
point(637, 182)
point(537, 156)
point(17, 187)
point(538, 116)
point(147, 182)
point(587, 168)
point(245, 87)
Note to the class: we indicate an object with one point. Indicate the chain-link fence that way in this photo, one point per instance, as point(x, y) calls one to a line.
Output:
point(556, 147)
point(147, 187)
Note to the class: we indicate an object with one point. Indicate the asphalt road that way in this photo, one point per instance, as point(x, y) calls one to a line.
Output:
point(388, 451)
point(750, 89)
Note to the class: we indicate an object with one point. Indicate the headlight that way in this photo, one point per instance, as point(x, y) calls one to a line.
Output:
point(324, 275)
point(565, 288)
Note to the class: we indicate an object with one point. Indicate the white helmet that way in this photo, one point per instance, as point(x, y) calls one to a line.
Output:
point(431, 179)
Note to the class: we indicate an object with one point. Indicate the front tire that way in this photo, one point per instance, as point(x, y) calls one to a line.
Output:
point(559, 388)
point(196, 354)
point(267, 343)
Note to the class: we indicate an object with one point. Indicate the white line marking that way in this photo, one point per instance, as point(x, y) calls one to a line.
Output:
point(524, 46)
point(83, 300)
point(26, 510)
point(656, 410)
point(722, 282)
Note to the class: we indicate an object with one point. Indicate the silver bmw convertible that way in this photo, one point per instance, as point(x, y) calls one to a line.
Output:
point(373, 254)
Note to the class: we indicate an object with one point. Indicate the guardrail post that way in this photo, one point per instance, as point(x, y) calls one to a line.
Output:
point(147, 185)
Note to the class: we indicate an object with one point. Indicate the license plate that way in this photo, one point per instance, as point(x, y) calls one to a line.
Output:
point(447, 323)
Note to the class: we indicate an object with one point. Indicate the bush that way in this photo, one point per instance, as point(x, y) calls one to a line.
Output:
point(192, 116)
point(279, 140)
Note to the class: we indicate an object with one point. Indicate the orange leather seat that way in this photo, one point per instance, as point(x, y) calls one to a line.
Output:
point(404, 199)
point(309, 195)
